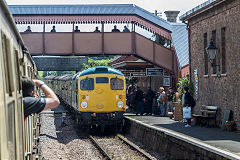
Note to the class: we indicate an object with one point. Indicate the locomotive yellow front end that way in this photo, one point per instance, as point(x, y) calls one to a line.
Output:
point(102, 96)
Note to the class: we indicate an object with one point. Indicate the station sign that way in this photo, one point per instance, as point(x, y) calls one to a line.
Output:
point(154, 72)
point(139, 74)
point(166, 81)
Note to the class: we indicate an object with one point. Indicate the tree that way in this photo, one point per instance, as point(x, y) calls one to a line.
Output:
point(94, 63)
point(159, 39)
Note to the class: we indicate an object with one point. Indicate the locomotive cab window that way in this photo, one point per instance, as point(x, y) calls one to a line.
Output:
point(117, 84)
point(102, 80)
point(87, 84)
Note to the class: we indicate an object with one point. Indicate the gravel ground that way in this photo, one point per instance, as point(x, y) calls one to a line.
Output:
point(61, 141)
point(118, 150)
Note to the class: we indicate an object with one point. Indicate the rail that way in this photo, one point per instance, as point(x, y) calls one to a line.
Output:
point(101, 149)
point(133, 146)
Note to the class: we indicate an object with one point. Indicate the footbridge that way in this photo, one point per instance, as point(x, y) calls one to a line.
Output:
point(97, 43)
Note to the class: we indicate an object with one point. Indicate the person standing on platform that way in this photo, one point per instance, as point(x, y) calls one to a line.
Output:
point(162, 101)
point(150, 95)
point(188, 103)
point(76, 29)
point(115, 29)
point(126, 29)
point(53, 29)
point(139, 101)
point(28, 29)
point(96, 30)
point(170, 94)
point(130, 97)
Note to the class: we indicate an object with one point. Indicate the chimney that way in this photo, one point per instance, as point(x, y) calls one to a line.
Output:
point(172, 15)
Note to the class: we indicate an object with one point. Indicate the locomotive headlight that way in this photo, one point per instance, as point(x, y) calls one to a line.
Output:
point(120, 104)
point(84, 105)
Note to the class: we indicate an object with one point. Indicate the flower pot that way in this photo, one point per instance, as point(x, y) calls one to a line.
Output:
point(228, 127)
point(177, 112)
point(170, 115)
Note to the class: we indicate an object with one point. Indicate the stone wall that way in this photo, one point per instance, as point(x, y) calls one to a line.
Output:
point(171, 145)
point(225, 91)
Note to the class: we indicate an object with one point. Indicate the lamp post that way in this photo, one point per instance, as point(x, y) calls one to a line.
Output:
point(212, 52)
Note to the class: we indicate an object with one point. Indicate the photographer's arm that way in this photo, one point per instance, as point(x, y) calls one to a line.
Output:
point(52, 100)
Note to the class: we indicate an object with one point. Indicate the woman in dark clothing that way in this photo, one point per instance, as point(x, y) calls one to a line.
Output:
point(149, 97)
point(186, 103)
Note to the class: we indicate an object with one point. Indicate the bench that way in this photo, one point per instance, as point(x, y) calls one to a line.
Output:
point(207, 116)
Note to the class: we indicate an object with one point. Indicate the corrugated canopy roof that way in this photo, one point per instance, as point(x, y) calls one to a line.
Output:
point(195, 9)
point(180, 42)
point(91, 13)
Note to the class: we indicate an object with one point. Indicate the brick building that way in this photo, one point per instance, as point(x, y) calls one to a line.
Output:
point(219, 20)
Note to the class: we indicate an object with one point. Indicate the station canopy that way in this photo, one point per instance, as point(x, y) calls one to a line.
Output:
point(81, 14)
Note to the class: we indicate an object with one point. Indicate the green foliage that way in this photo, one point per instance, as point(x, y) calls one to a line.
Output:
point(184, 82)
point(40, 73)
point(159, 39)
point(94, 63)
point(230, 122)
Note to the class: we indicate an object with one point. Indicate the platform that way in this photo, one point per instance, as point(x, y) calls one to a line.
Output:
point(228, 142)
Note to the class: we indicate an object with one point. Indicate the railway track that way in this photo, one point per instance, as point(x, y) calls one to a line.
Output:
point(119, 147)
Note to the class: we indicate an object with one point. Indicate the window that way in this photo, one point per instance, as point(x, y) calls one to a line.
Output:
point(223, 41)
point(205, 53)
point(17, 72)
point(117, 84)
point(7, 65)
point(87, 84)
point(11, 129)
point(102, 80)
point(20, 124)
point(214, 42)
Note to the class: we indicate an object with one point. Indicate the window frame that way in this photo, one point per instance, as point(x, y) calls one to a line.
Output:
point(205, 44)
point(7, 58)
point(102, 82)
point(117, 79)
point(223, 50)
point(85, 80)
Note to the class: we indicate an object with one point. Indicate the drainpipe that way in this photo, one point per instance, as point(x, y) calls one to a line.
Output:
point(189, 49)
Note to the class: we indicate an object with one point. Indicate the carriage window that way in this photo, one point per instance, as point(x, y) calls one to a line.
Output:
point(17, 72)
point(117, 84)
point(87, 84)
point(102, 80)
point(7, 65)
point(11, 129)
point(20, 124)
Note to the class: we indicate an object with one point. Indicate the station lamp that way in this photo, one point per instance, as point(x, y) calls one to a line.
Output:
point(212, 52)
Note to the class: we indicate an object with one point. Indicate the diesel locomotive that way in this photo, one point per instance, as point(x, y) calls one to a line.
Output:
point(96, 95)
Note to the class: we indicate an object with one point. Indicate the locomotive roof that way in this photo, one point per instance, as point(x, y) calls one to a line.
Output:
point(49, 77)
point(99, 70)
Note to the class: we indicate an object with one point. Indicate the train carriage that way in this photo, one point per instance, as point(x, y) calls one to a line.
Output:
point(17, 137)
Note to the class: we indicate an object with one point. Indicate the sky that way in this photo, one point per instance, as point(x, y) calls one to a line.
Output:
point(149, 5)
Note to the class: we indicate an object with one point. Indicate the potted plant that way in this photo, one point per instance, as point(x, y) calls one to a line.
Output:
point(229, 125)
point(182, 82)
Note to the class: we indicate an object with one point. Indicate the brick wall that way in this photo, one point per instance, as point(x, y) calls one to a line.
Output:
point(225, 91)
